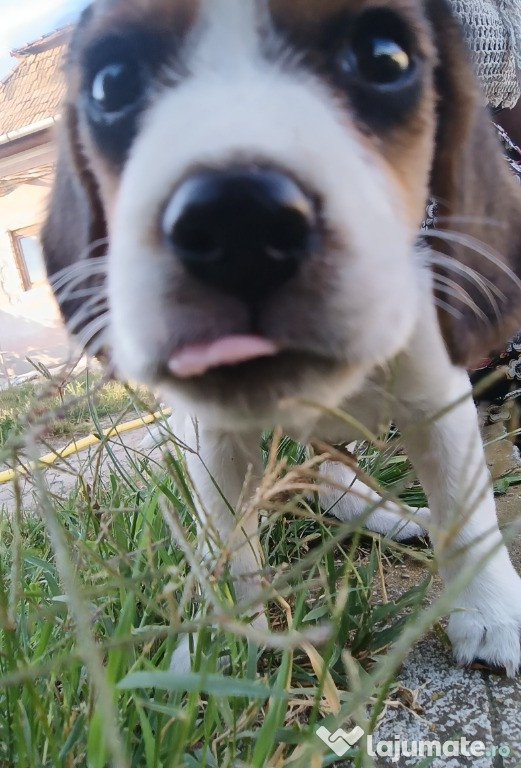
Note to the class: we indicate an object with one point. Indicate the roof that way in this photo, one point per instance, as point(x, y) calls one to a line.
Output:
point(33, 90)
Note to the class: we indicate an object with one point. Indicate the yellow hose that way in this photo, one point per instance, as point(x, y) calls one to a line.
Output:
point(75, 446)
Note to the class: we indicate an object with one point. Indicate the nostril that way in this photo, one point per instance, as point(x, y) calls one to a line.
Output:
point(290, 233)
point(191, 240)
point(189, 221)
point(242, 231)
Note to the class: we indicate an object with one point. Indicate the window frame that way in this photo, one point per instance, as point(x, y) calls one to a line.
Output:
point(16, 236)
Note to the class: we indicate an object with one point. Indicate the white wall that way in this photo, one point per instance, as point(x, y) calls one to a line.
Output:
point(30, 322)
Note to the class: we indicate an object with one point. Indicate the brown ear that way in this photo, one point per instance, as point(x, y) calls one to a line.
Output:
point(479, 202)
point(75, 228)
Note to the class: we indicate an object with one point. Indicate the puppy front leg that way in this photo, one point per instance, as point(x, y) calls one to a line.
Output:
point(448, 455)
point(349, 498)
point(224, 468)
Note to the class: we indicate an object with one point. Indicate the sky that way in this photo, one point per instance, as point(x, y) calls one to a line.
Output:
point(24, 20)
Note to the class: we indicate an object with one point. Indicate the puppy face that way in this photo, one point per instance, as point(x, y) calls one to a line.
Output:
point(261, 170)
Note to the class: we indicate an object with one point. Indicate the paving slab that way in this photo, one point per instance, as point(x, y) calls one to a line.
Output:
point(452, 703)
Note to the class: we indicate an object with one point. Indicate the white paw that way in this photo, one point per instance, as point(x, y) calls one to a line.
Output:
point(153, 439)
point(180, 662)
point(397, 527)
point(386, 518)
point(158, 434)
point(486, 624)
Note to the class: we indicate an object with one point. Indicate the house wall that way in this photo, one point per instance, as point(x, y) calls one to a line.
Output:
point(30, 323)
point(22, 208)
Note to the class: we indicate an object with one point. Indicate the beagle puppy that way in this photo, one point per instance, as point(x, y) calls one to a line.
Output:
point(236, 217)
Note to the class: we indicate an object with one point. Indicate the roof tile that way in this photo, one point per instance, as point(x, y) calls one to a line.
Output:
point(34, 89)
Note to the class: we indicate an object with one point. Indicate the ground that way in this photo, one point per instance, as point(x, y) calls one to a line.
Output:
point(449, 702)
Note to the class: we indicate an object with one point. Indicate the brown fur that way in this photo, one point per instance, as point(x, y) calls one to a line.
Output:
point(477, 197)
point(310, 14)
point(178, 16)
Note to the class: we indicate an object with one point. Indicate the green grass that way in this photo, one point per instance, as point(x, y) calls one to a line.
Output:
point(94, 595)
point(62, 408)
point(132, 580)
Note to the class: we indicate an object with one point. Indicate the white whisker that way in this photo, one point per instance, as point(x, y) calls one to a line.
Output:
point(88, 293)
point(79, 270)
point(85, 312)
point(484, 285)
point(478, 247)
point(442, 260)
point(451, 288)
point(448, 308)
point(92, 329)
point(468, 219)
point(76, 276)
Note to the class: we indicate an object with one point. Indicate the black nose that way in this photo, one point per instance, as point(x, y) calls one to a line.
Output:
point(242, 231)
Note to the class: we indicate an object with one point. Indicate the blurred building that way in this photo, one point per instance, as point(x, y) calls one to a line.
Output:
point(30, 98)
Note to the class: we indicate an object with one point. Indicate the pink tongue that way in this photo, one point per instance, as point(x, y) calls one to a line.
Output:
point(196, 359)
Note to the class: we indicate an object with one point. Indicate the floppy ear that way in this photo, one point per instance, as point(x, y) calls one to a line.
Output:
point(479, 207)
point(75, 222)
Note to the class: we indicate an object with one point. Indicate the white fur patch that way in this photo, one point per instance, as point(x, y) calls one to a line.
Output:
point(230, 36)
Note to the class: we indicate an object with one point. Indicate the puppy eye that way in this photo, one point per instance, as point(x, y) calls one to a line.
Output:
point(377, 60)
point(379, 51)
point(116, 87)
point(118, 72)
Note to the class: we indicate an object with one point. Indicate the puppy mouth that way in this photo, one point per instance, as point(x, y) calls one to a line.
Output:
point(244, 379)
point(195, 360)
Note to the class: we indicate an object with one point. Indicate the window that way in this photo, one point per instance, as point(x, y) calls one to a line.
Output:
point(29, 256)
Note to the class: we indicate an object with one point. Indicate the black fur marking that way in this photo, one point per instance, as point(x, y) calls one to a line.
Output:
point(142, 53)
point(380, 107)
